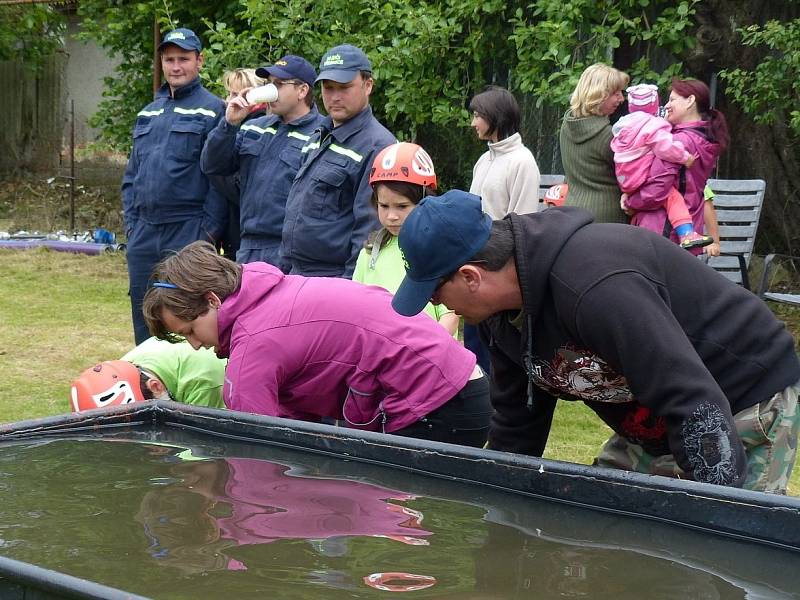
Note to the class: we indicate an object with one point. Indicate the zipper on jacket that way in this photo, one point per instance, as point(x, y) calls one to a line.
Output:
point(527, 359)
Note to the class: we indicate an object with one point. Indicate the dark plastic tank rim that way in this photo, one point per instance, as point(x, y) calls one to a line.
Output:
point(741, 514)
point(65, 585)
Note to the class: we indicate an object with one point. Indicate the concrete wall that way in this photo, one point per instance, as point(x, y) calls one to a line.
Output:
point(87, 65)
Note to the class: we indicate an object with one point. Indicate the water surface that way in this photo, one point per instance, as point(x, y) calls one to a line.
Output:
point(177, 515)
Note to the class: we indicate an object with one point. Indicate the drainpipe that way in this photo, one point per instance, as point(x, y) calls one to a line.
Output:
point(156, 57)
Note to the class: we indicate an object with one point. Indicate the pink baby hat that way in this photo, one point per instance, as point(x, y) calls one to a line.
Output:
point(643, 97)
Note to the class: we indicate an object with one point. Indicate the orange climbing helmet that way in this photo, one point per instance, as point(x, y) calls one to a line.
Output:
point(106, 384)
point(403, 161)
point(556, 195)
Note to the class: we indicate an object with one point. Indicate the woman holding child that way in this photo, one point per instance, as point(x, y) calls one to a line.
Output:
point(703, 131)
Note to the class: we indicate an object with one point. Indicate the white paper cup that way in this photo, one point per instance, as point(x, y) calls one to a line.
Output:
point(263, 93)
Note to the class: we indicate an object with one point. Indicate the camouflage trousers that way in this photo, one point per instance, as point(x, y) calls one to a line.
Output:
point(768, 431)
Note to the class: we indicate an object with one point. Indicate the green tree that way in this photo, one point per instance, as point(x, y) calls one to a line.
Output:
point(30, 32)
point(556, 40)
point(429, 57)
point(126, 30)
point(771, 90)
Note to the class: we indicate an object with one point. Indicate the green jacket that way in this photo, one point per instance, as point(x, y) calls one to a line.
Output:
point(191, 376)
point(589, 167)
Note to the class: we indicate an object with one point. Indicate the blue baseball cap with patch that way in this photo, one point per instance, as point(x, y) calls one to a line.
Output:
point(440, 235)
point(182, 38)
point(290, 67)
point(343, 63)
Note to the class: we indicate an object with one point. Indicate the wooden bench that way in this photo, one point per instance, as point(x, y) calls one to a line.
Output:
point(738, 203)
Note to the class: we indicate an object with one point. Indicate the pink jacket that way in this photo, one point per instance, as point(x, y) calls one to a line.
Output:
point(311, 347)
point(648, 200)
point(638, 139)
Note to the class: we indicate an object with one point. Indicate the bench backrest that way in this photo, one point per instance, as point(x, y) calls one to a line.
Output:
point(738, 204)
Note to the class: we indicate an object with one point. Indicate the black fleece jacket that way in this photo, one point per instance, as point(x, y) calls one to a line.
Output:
point(664, 349)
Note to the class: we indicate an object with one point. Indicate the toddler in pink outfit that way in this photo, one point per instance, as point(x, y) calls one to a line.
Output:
point(639, 137)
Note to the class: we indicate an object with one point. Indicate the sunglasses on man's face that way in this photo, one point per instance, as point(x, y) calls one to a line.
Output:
point(442, 281)
point(278, 83)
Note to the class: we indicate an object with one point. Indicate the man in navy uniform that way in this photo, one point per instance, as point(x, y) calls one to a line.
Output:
point(266, 153)
point(328, 212)
point(167, 201)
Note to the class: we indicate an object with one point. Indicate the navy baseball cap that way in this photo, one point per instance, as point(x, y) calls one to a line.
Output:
point(290, 67)
point(182, 38)
point(440, 235)
point(342, 64)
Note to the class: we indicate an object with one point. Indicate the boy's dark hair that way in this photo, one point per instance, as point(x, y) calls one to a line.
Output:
point(498, 107)
point(144, 377)
point(195, 271)
point(498, 249)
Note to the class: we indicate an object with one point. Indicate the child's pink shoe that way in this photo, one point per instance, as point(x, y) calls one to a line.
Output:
point(695, 240)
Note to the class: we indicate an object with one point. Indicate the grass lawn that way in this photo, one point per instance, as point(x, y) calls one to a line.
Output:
point(61, 313)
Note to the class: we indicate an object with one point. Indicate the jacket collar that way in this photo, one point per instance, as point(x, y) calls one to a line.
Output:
point(538, 240)
point(258, 281)
point(306, 118)
point(507, 145)
point(690, 125)
point(349, 128)
point(181, 92)
point(275, 120)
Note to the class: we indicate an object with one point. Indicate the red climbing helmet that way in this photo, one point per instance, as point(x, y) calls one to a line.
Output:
point(556, 195)
point(403, 161)
point(106, 384)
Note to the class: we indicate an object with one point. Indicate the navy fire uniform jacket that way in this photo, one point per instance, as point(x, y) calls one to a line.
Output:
point(266, 153)
point(328, 212)
point(163, 182)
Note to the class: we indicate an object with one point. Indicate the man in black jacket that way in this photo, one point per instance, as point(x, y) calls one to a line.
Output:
point(694, 374)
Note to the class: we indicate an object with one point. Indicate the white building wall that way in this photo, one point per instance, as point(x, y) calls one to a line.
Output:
point(87, 65)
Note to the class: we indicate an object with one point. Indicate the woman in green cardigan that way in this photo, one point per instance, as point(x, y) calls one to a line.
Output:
point(585, 143)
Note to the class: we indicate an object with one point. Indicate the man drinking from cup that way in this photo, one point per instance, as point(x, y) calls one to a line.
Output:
point(265, 152)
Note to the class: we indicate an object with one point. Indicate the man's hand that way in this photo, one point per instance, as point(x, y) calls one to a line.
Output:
point(237, 108)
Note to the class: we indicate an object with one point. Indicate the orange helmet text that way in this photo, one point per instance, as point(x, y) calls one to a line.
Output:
point(403, 162)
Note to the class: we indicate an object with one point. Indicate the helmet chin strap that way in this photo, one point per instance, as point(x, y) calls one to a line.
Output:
point(165, 395)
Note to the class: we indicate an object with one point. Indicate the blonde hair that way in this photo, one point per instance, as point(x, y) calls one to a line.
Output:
point(597, 83)
point(239, 79)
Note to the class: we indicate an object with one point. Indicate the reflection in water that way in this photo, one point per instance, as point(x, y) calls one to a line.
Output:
point(212, 504)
